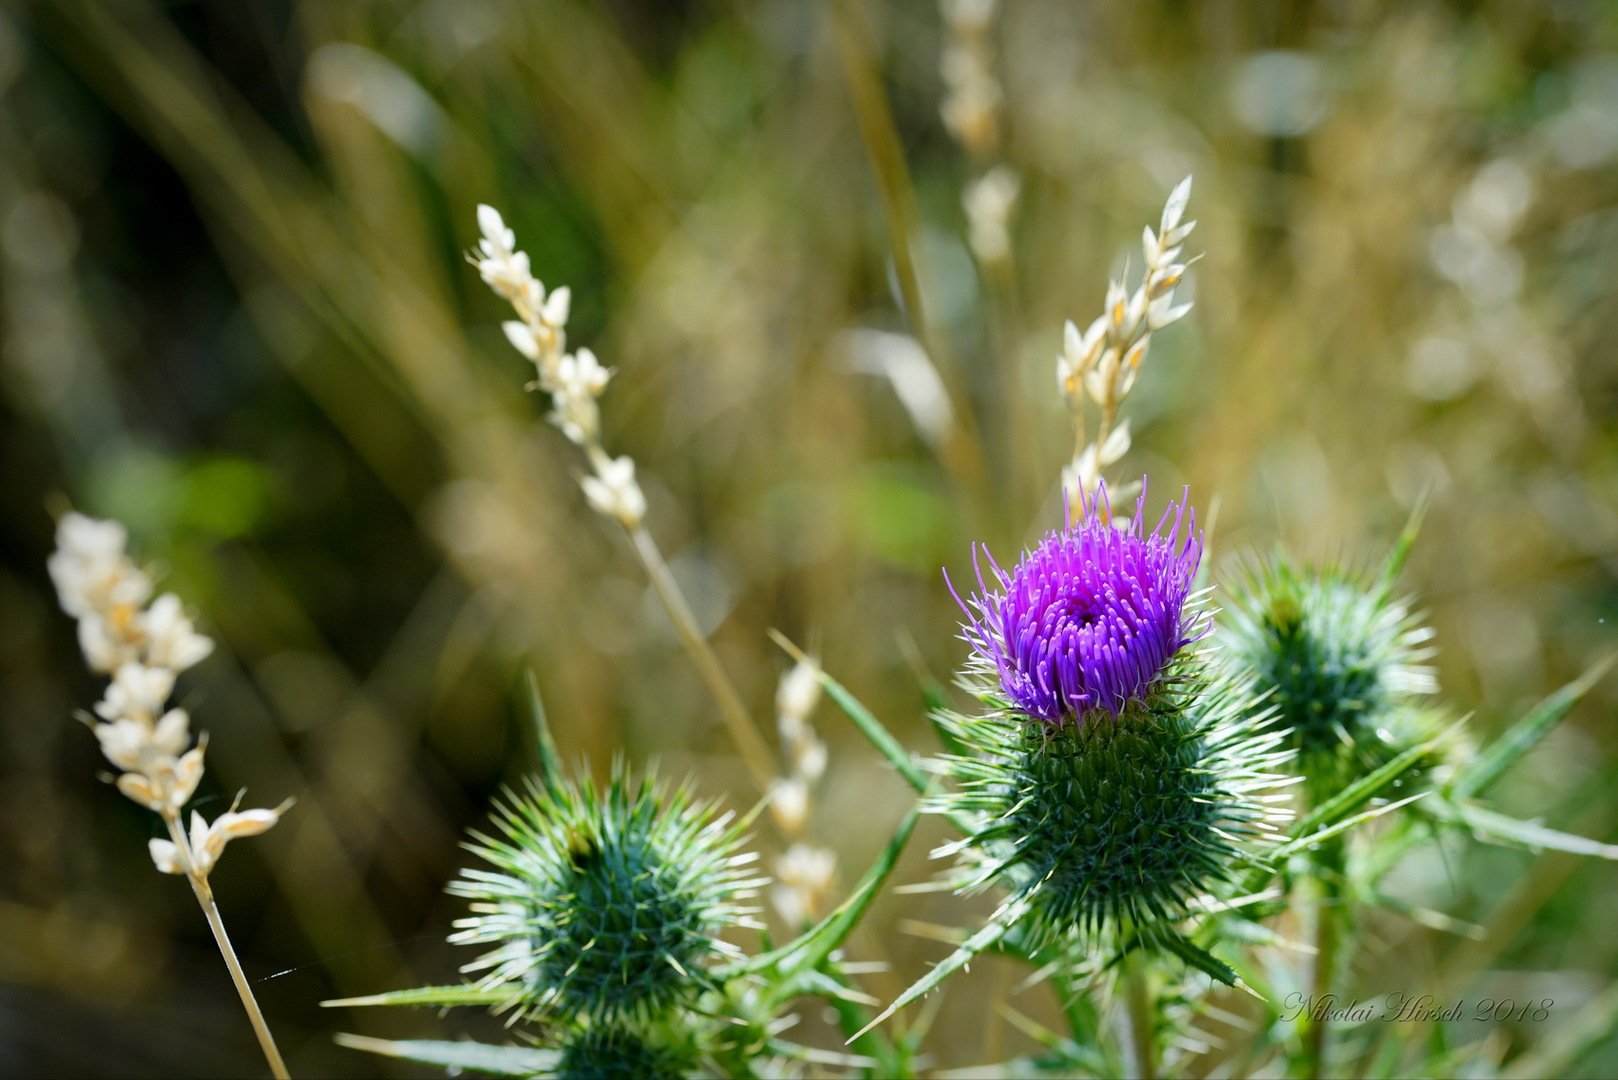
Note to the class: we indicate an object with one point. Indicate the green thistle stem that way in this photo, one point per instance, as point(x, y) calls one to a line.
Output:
point(1328, 888)
point(1140, 1029)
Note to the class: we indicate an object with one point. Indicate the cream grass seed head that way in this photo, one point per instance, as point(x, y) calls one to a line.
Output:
point(144, 647)
point(1099, 365)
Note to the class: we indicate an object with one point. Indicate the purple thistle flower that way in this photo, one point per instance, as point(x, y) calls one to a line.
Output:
point(1089, 618)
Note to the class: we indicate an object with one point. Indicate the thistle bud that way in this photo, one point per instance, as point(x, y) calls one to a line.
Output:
point(1338, 656)
point(602, 907)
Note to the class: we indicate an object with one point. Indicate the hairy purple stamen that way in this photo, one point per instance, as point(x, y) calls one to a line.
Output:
point(1089, 618)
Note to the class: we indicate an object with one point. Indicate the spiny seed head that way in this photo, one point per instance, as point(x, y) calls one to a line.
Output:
point(1089, 618)
point(1118, 822)
point(602, 906)
point(1335, 652)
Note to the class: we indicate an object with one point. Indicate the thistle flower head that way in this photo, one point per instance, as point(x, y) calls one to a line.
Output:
point(1089, 619)
point(603, 906)
point(1338, 654)
point(1119, 825)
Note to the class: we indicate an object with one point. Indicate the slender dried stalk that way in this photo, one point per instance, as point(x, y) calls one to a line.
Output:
point(575, 382)
point(210, 909)
point(962, 451)
point(738, 721)
point(144, 647)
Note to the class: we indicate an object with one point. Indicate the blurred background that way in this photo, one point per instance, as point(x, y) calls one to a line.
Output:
point(235, 314)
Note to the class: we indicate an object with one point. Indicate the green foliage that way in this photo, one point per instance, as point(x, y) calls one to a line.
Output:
point(602, 907)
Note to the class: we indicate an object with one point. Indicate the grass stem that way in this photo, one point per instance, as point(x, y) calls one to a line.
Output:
point(210, 909)
point(738, 721)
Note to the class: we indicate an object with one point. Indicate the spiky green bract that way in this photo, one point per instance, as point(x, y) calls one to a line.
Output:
point(603, 906)
point(1337, 654)
point(1113, 821)
point(607, 1052)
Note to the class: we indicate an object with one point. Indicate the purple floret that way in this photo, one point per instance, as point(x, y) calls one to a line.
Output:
point(1088, 619)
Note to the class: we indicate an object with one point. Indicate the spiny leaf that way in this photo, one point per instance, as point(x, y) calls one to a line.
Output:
point(852, 1017)
point(810, 950)
point(478, 1057)
point(550, 761)
point(937, 716)
point(1487, 825)
point(866, 721)
point(961, 957)
point(872, 729)
point(1202, 960)
point(1401, 548)
point(1363, 790)
point(1305, 842)
point(428, 997)
point(1504, 752)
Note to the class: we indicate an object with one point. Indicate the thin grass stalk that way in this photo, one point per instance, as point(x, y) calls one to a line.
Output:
point(962, 452)
point(216, 923)
point(738, 721)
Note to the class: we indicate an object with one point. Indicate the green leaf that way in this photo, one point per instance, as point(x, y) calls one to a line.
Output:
point(879, 736)
point(1292, 847)
point(946, 737)
point(1363, 790)
point(1401, 549)
point(1433, 920)
point(478, 1057)
point(1489, 826)
point(852, 1018)
point(955, 961)
point(427, 997)
point(550, 761)
point(1201, 959)
point(1392, 845)
point(1557, 1054)
point(1386, 1064)
point(811, 949)
point(1504, 752)
point(864, 719)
